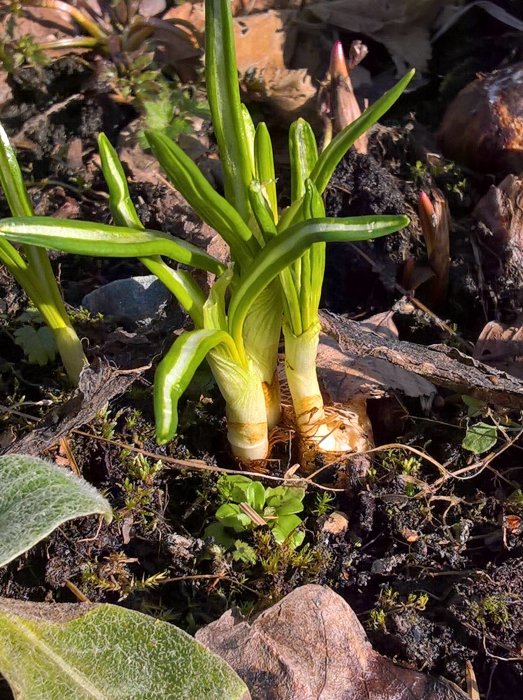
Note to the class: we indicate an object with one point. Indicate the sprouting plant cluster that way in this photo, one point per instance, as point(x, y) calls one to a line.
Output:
point(272, 283)
point(248, 504)
point(127, 42)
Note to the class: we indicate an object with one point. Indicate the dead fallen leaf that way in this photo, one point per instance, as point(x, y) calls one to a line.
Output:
point(311, 645)
point(401, 26)
point(502, 347)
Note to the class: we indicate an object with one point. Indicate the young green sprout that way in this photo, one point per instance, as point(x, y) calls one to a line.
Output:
point(277, 257)
point(32, 270)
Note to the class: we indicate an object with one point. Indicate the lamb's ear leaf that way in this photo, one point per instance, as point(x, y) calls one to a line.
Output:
point(176, 370)
point(104, 240)
point(85, 651)
point(36, 497)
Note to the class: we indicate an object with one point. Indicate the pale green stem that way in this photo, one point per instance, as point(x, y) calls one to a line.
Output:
point(261, 333)
point(300, 369)
point(245, 406)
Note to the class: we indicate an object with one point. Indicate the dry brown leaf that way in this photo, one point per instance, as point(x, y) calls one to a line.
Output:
point(502, 347)
point(402, 26)
point(311, 646)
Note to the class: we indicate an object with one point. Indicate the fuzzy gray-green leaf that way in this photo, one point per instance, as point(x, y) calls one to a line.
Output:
point(35, 498)
point(105, 652)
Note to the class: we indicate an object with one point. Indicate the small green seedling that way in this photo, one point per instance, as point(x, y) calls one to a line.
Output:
point(248, 504)
point(32, 270)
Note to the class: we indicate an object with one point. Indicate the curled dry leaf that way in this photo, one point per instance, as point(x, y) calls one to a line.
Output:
point(501, 212)
point(502, 347)
point(311, 645)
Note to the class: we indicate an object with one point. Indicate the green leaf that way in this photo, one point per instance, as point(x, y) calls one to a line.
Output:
point(244, 552)
point(474, 406)
point(480, 438)
point(211, 207)
point(178, 282)
point(303, 152)
point(223, 93)
point(256, 495)
point(11, 179)
point(103, 240)
point(36, 497)
point(122, 207)
point(38, 344)
point(283, 527)
point(264, 167)
point(290, 244)
point(233, 487)
point(219, 534)
point(230, 515)
point(175, 372)
point(285, 499)
point(338, 147)
point(106, 652)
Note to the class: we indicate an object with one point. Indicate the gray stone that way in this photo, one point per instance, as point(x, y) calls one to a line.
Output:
point(131, 299)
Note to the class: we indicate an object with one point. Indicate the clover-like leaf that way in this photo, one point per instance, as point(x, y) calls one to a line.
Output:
point(38, 344)
point(284, 526)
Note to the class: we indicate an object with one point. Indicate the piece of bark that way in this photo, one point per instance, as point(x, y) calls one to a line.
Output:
point(445, 367)
point(97, 386)
point(346, 376)
point(311, 646)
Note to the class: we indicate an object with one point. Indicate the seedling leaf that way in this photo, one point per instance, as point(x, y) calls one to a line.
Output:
point(38, 344)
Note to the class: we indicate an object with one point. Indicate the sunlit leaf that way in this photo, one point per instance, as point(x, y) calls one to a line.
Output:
point(106, 652)
point(35, 498)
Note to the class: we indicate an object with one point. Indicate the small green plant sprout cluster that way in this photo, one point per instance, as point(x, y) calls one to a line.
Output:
point(127, 31)
point(32, 270)
point(278, 258)
point(248, 504)
point(128, 40)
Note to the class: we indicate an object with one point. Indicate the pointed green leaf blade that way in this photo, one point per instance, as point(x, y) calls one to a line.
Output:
point(175, 372)
point(35, 498)
point(11, 179)
point(290, 244)
point(210, 206)
point(303, 152)
point(106, 652)
point(338, 147)
point(223, 93)
point(103, 240)
point(178, 282)
point(122, 207)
